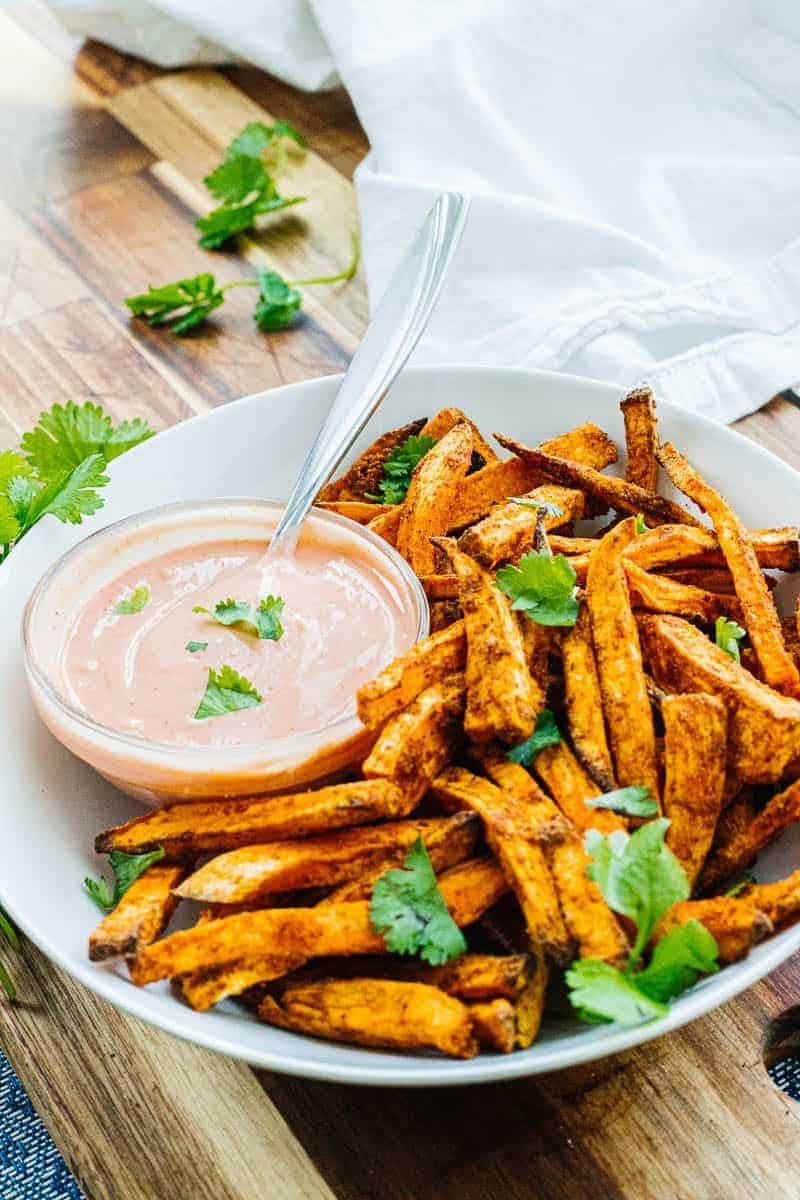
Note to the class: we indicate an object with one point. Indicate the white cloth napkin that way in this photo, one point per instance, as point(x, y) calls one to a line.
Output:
point(634, 168)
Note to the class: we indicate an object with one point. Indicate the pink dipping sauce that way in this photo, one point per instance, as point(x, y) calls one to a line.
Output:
point(342, 620)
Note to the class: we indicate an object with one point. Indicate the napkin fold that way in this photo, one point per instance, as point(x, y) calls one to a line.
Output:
point(633, 169)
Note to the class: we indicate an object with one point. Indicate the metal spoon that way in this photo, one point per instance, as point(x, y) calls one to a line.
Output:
point(393, 332)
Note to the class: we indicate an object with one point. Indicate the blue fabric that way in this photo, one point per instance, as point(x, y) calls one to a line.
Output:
point(30, 1166)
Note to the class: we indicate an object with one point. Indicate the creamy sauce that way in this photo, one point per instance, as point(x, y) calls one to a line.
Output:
point(342, 620)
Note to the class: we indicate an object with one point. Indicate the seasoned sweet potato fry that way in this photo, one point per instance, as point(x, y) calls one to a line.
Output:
point(476, 976)
point(387, 524)
point(641, 438)
point(445, 613)
point(529, 1005)
point(758, 611)
point(362, 511)
point(627, 712)
point(510, 837)
point(440, 587)
point(735, 923)
point(431, 498)
point(583, 702)
point(186, 830)
point(695, 755)
point(375, 1012)
point(252, 872)
point(428, 662)
point(494, 1024)
point(334, 929)
point(570, 786)
point(710, 579)
point(541, 815)
point(210, 985)
point(659, 593)
point(509, 531)
point(688, 546)
point(444, 420)
point(725, 861)
point(416, 744)
point(502, 701)
point(141, 915)
point(763, 727)
point(617, 493)
point(780, 901)
point(364, 475)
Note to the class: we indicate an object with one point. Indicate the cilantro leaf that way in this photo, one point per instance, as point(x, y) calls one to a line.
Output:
point(133, 603)
point(727, 635)
point(546, 733)
point(256, 137)
point(638, 876)
point(184, 304)
point(278, 302)
point(127, 868)
point(633, 801)
point(550, 510)
point(747, 878)
point(71, 497)
point(238, 177)
point(21, 492)
point(543, 587)
point(229, 219)
point(602, 993)
point(14, 489)
point(196, 647)
point(226, 691)
point(66, 435)
point(678, 958)
point(408, 909)
point(399, 467)
point(264, 621)
point(639, 524)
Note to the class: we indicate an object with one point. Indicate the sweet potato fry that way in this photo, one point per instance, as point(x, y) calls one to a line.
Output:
point(186, 830)
point(510, 837)
point(758, 611)
point(502, 701)
point(735, 923)
point(209, 986)
point(529, 1005)
point(494, 1024)
point(583, 702)
point(641, 438)
point(763, 727)
point(688, 546)
point(252, 872)
point(376, 1012)
point(570, 786)
point(695, 754)
point(541, 815)
point(445, 613)
point(416, 744)
point(476, 976)
point(629, 721)
point(509, 531)
point(444, 420)
point(710, 579)
point(362, 511)
point(428, 662)
point(364, 475)
point(660, 593)
point(141, 915)
point(513, 477)
point(440, 587)
point(726, 861)
point(387, 524)
point(431, 497)
point(616, 493)
point(780, 901)
point(333, 929)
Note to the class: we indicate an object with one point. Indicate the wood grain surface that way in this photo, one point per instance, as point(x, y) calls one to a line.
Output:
point(102, 168)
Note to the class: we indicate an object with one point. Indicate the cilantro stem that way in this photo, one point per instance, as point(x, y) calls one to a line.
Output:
point(347, 273)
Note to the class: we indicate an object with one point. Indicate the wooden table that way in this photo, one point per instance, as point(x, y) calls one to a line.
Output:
point(102, 164)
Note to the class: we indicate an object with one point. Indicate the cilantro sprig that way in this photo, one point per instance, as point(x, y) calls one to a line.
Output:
point(263, 620)
point(399, 467)
point(226, 691)
point(134, 602)
point(60, 468)
point(126, 868)
point(546, 733)
point(727, 635)
point(543, 586)
point(640, 878)
point(409, 911)
point(634, 801)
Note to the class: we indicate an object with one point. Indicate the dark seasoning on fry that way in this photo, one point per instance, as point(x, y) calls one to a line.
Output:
point(602, 732)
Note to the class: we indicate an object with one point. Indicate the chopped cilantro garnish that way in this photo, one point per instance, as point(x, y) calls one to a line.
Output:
point(133, 603)
point(399, 467)
point(263, 621)
point(635, 801)
point(546, 733)
point(408, 909)
point(196, 647)
point(226, 691)
point(639, 524)
point(727, 635)
point(127, 868)
point(543, 587)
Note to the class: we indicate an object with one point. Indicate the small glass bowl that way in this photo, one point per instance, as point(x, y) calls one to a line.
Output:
point(156, 772)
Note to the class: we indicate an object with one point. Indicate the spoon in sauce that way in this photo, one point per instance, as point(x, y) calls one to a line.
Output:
point(394, 330)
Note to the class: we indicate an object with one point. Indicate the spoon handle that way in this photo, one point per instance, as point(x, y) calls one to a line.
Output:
point(393, 332)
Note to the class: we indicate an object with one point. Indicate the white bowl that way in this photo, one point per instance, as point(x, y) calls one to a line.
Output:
point(51, 804)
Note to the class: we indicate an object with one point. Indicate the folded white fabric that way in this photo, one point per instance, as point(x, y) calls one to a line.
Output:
point(634, 170)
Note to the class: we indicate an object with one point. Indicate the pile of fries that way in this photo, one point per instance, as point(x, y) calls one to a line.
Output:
point(641, 691)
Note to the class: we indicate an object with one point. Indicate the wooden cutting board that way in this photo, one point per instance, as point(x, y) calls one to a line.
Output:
point(103, 159)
